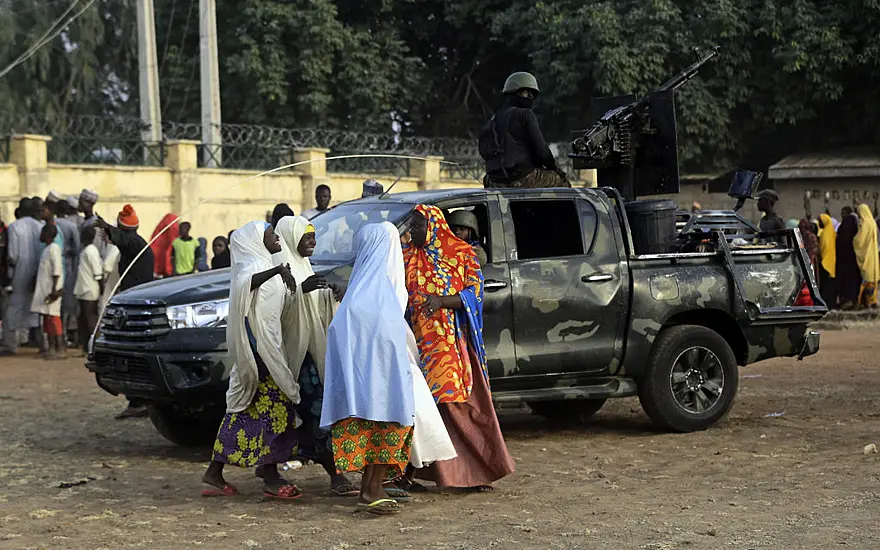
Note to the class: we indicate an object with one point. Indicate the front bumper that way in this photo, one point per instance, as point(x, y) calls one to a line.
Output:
point(811, 344)
point(167, 370)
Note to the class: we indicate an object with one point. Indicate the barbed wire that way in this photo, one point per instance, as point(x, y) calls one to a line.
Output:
point(101, 128)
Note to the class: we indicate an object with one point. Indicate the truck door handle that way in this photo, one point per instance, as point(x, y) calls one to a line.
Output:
point(597, 278)
point(492, 285)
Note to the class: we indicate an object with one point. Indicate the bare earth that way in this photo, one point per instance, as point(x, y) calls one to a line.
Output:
point(800, 480)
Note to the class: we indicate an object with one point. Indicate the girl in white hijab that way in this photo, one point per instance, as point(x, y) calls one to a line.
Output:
point(260, 422)
point(307, 315)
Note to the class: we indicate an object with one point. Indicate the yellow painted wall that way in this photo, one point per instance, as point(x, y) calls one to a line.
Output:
point(228, 200)
point(10, 191)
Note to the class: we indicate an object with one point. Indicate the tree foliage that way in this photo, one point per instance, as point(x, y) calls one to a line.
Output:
point(793, 75)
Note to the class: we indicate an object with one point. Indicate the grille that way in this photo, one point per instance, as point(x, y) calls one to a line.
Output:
point(135, 371)
point(142, 323)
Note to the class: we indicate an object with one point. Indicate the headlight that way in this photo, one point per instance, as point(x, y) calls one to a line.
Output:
point(202, 315)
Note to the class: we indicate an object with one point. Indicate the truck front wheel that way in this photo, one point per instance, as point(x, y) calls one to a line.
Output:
point(691, 379)
point(186, 426)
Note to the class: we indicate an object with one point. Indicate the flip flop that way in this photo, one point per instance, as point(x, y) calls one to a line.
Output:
point(398, 494)
point(227, 491)
point(410, 486)
point(286, 492)
point(345, 490)
point(381, 507)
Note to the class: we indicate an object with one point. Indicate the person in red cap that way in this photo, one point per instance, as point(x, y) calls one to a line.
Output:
point(130, 244)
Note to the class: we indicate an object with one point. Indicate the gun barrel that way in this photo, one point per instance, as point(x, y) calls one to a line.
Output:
point(687, 74)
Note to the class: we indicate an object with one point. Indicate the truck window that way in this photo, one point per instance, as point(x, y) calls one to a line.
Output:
point(481, 211)
point(547, 229)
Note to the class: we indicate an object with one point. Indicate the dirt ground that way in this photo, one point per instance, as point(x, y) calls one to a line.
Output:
point(795, 480)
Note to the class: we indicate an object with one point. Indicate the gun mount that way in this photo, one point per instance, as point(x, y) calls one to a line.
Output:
point(633, 143)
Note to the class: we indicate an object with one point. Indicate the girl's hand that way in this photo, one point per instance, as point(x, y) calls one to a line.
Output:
point(338, 292)
point(432, 304)
point(287, 277)
point(314, 282)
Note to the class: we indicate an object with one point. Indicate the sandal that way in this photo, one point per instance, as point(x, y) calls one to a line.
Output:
point(286, 492)
point(227, 491)
point(398, 494)
point(345, 490)
point(410, 486)
point(381, 507)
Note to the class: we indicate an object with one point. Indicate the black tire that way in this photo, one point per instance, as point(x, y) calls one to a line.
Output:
point(571, 410)
point(186, 426)
point(676, 350)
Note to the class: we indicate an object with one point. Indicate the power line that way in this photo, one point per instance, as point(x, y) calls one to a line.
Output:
point(48, 36)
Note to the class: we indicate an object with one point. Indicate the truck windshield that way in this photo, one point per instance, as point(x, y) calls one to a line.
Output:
point(336, 228)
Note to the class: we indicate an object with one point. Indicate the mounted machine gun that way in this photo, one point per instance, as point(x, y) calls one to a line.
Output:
point(634, 145)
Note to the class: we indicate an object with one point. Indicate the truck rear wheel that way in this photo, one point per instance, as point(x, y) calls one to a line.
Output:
point(691, 380)
point(576, 410)
point(186, 426)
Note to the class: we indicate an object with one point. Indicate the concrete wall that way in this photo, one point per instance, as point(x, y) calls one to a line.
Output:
point(215, 201)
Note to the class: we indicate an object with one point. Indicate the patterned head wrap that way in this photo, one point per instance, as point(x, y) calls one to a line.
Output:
point(444, 266)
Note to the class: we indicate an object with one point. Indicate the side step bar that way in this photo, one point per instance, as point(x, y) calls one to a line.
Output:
point(617, 387)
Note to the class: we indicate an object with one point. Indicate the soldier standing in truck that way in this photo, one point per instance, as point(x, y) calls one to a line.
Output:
point(512, 144)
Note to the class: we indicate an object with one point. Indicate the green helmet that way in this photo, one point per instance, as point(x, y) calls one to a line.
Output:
point(518, 81)
point(463, 218)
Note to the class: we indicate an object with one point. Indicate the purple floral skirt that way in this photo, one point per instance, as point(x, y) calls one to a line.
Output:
point(263, 433)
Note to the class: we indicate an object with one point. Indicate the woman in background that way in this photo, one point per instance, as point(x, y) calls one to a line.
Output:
point(221, 257)
point(849, 278)
point(827, 261)
point(811, 244)
point(865, 245)
point(162, 246)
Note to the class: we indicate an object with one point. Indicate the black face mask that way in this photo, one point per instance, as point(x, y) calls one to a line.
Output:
point(521, 102)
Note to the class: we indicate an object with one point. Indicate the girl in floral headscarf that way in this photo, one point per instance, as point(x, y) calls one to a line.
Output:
point(445, 309)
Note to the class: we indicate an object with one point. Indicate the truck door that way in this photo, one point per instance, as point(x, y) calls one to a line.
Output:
point(569, 284)
point(497, 300)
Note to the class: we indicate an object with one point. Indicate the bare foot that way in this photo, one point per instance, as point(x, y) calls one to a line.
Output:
point(214, 479)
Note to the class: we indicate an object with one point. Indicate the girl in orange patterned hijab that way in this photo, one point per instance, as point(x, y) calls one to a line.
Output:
point(445, 287)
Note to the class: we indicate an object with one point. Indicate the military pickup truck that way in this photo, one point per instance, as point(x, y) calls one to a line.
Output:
point(573, 316)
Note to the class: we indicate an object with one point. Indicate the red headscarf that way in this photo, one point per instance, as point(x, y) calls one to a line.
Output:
point(445, 266)
point(162, 246)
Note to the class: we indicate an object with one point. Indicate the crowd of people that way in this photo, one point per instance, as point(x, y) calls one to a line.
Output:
point(55, 266)
point(846, 257)
point(317, 378)
point(844, 253)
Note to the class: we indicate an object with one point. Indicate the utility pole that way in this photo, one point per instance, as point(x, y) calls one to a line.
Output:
point(151, 115)
point(210, 80)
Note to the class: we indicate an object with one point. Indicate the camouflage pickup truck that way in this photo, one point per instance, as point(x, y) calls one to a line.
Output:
point(573, 316)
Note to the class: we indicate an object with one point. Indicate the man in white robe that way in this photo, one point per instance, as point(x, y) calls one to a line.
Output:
point(24, 249)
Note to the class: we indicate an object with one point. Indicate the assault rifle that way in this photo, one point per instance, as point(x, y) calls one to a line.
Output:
point(634, 144)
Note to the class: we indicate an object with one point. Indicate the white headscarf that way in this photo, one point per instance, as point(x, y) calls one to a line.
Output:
point(306, 317)
point(262, 307)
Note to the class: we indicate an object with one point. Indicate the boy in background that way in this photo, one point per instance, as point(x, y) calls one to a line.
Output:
point(184, 251)
point(89, 286)
point(50, 289)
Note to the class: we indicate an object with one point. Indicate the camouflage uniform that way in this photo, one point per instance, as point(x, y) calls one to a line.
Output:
point(539, 178)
